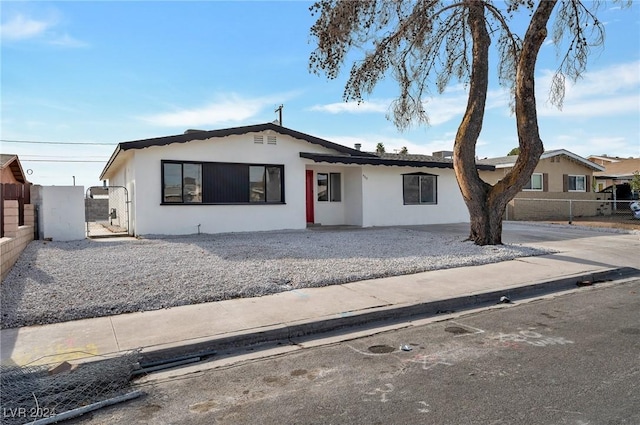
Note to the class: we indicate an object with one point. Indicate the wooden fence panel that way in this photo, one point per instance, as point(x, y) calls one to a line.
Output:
point(14, 192)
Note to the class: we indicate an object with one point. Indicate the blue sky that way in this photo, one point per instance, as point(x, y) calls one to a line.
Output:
point(93, 74)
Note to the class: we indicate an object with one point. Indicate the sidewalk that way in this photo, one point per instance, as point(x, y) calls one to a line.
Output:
point(170, 333)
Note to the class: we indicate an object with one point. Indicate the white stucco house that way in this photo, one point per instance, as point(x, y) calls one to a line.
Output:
point(269, 177)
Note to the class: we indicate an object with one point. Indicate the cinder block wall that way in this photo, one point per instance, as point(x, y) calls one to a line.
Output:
point(96, 209)
point(16, 237)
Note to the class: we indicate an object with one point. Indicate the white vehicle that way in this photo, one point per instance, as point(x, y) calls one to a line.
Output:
point(635, 209)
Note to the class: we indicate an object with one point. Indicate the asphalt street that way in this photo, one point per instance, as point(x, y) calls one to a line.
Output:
point(566, 359)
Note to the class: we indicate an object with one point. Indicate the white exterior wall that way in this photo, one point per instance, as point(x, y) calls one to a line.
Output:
point(148, 216)
point(349, 210)
point(352, 195)
point(62, 213)
point(383, 204)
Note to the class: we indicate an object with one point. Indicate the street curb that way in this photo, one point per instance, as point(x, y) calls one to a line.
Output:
point(371, 318)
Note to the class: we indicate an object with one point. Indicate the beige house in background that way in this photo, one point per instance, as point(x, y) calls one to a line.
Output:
point(617, 171)
point(560, 176)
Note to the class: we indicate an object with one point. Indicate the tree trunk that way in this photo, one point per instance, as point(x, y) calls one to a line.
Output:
point(486, 220)
point(485, 228)
point(487, 203)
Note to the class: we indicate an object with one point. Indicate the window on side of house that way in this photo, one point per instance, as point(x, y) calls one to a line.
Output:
point(420, 188)
point(329, 187)
point(182, 182)
point(323, 187)
point(535, 183)
point(576, 183)
point(335, 187)
point(221, 183)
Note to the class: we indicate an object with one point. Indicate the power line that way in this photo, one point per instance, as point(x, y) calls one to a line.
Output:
point(59, 160)
point(63, 156)
point(56, 143)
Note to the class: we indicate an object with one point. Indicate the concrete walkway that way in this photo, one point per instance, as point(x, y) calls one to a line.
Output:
point(170, 333)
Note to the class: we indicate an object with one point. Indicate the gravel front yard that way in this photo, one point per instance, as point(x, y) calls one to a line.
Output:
point(60, 281)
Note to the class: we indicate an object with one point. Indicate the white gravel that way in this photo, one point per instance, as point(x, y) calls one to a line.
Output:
point(60, 281)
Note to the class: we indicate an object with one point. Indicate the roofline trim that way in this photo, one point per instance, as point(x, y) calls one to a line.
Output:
point(556, 152)
point(233, 131)
point(336, 159)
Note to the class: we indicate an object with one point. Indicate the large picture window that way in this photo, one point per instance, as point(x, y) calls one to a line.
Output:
point(221, 183)
point(535, 183)
point(329, 187)
point(419, 188)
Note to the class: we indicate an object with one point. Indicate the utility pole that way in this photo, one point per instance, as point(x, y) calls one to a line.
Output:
point(279, 110)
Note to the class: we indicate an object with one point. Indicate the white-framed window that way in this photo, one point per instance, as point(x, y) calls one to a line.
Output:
point(535, 183)
point(576, 183)
point(419, 188)
point(329, 187)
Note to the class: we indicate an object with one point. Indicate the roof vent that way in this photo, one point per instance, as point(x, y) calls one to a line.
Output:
point(358, 146)
point(271, 139)
point(191, 130)
point(443, 154)
point(258, 138)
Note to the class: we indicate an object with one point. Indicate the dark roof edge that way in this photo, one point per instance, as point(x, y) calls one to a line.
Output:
point(333, 159)
point(207, 134)
point(202, 135)
point(110, 161)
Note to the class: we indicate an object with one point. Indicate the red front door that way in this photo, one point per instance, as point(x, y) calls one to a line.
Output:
point(310, 217)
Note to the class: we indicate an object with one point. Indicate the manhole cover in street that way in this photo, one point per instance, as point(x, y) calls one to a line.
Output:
point(381, 349)
point(457, 330)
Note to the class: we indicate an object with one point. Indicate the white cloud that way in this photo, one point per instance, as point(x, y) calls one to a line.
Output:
point(391, 144)
point(605, 106)
point(228, 108)
point(609, 91)
point(440, 109)
point(585, 146)
point(375, 106)
point(444, 108)
point(21, 27)
point(66, 40)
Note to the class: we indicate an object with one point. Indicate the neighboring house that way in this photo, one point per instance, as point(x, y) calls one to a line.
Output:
point(14, 186)
point(560, 175)
point(16, 212)
point(269, 177)
point(11, 171)
point(618, 171)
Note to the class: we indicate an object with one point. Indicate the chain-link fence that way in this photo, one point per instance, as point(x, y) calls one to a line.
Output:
point(41, 394)
point(107, 210)
point(569, 210)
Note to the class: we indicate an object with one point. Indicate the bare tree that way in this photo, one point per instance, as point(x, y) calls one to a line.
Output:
point(428, 43)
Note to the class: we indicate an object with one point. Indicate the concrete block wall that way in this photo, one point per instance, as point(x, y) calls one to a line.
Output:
point(96, 209)
point(16, 237)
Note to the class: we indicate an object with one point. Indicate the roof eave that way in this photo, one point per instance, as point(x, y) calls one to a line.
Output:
point(203, 135)
point(111, 160)
point(359, 160)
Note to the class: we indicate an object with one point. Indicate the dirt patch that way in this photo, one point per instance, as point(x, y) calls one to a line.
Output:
point(609, 222)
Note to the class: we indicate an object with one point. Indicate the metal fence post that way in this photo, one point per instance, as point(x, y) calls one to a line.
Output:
point(570, 211)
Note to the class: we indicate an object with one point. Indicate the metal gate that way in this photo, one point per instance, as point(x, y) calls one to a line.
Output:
point(106, 211)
